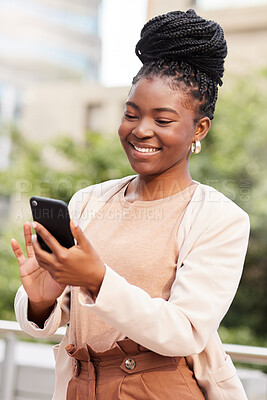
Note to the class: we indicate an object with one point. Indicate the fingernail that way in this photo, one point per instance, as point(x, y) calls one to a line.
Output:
point(33, 224)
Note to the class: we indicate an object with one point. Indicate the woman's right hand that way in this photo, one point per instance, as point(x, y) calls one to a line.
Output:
point(41, 288)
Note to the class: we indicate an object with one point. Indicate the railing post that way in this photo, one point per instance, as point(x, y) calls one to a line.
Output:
point(8, 368)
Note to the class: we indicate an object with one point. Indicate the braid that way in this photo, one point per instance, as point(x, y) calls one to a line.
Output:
point(186, 47)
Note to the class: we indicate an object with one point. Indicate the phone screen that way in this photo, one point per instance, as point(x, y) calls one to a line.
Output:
point(54, 216)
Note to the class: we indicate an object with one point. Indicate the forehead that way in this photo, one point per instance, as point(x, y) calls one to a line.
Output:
point(157, 92)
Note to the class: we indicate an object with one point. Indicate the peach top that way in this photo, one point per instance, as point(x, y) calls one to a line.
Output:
point(139, 241)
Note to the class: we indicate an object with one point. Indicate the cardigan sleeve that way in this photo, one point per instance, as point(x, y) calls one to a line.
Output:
point(205, 284)
point(58, 317)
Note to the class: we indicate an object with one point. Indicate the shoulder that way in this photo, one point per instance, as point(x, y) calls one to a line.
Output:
point(211, 211)
point(212, 218)
point(208, 200)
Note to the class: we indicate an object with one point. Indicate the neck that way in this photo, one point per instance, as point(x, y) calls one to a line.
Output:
point(155, 187)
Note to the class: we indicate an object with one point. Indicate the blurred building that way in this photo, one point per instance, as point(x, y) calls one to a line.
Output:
point(245, 31)
point(157, 7)
point(60, 102)
point(76, 108)
point(71, 109)
point(45, 41)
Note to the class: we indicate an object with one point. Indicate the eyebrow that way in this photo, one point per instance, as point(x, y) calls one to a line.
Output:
point(160, 109)
point(131, 104)
point(168, 109)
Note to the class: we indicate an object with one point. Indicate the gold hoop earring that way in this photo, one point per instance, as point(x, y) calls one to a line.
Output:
point(196, 147)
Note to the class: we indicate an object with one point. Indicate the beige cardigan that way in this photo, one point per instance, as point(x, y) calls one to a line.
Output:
point(212, 242)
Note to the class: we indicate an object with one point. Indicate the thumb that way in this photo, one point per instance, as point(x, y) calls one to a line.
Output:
point(78, 235)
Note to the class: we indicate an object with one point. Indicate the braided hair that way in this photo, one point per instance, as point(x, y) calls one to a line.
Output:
point(188, 49)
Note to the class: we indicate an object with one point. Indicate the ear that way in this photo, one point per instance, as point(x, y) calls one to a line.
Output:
point(201, 129)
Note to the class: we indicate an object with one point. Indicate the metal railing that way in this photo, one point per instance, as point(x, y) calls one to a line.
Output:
point(10, 331)
point(12, 327)
point(247, 354)
point(240, 353)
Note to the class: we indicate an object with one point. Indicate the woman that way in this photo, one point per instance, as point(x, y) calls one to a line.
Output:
point(158, 256)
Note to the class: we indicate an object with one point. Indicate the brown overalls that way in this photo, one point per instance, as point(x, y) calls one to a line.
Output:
point(130, 372)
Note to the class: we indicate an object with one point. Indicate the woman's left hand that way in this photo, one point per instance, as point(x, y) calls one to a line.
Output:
point(79, 265)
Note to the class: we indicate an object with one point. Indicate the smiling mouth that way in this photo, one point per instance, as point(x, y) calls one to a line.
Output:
point(145, 149)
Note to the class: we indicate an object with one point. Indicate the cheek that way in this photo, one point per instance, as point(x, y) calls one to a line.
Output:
point(178, 140)
point(122, 130)
point(185, 135)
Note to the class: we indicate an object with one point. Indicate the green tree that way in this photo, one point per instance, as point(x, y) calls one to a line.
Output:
point(234, 161)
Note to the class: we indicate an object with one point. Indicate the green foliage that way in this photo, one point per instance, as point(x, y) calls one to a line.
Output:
point(234, 161)
point(97, 159)
point(9, 276)
point(26, 166)
point(60, 168)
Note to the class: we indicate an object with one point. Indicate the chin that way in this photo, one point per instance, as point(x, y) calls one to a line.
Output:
point(143, 170)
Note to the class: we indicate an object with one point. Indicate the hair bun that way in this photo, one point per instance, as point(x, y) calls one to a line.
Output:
point(184, 36)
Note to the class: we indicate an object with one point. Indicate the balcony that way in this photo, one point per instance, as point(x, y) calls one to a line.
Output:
point(27, 368)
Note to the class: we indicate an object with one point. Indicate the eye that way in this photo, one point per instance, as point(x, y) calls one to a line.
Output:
point(130, 117)
point(163, 122)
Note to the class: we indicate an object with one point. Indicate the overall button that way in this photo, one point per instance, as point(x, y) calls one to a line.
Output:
point(75, 367)
point(130, 363)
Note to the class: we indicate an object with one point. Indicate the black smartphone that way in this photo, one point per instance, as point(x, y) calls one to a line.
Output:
point(54, 216)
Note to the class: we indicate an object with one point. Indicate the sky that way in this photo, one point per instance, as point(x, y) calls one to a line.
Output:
point(121, 23)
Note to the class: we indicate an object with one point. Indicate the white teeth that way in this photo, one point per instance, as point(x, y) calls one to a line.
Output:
point(145, 149)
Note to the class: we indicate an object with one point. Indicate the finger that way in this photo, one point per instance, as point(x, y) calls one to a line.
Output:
point(28, 239)
point(41, 255)
point(49, 239)
point(79, 235)
point(17, 251)
point(43, 258)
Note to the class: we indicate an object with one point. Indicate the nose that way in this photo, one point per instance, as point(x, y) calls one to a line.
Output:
point(143, 130)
